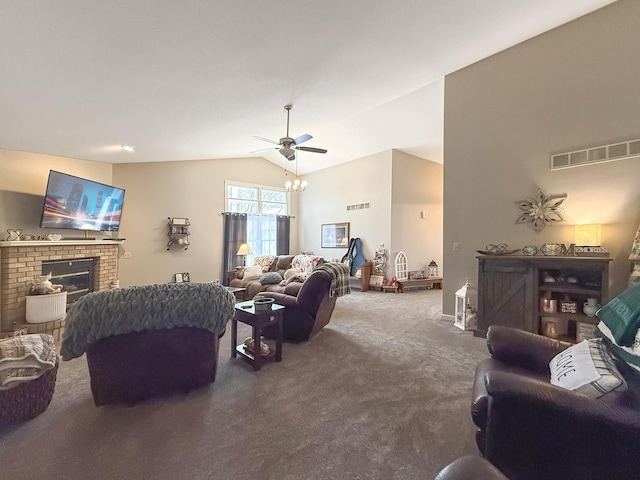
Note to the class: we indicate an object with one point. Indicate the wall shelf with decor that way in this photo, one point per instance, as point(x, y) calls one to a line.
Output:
point(178, 232)
point(544, 295)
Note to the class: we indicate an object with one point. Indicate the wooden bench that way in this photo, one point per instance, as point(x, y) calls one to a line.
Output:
point(431, 282)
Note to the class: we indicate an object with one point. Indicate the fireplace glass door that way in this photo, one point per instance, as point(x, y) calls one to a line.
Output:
point(76, 276)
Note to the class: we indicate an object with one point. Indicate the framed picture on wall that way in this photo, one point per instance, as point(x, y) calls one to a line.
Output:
point(334, 235)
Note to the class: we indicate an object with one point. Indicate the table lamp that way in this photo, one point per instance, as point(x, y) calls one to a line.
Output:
point(243, 251)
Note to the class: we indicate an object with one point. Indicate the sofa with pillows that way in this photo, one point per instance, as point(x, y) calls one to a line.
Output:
point(280, 274)
point(549, 409)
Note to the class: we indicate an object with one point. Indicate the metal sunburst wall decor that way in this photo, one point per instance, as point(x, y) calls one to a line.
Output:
point(542, 210)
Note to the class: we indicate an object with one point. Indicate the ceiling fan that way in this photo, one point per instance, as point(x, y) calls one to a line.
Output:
point(287, 145)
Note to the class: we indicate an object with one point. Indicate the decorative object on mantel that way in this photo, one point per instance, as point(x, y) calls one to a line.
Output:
point(499, 249)
point(542, 210)
point(552, 249)
point(54, 237)
point(14, 234)
point(530, 250)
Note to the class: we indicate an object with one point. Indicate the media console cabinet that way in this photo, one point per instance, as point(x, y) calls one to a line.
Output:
point(512, 290)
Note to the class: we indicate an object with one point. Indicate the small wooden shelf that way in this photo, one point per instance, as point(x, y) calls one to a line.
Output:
point(178, 232)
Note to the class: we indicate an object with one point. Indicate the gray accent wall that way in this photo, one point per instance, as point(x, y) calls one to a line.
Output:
point(573, 87)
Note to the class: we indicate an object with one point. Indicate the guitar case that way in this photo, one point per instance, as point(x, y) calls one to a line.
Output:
point(348, 258)
point(358, 259)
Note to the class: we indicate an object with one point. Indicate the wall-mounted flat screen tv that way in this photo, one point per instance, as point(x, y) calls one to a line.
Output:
point(81, 204)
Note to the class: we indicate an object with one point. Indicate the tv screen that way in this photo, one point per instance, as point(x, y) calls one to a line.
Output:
point(81, 204)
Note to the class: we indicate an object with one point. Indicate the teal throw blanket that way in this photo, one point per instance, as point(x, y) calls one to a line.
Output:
point(103, 314)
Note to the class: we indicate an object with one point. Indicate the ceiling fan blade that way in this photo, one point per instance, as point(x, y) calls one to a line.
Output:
point(302, 138)
point(264, 150)
point(266, 140)
point(311, 149)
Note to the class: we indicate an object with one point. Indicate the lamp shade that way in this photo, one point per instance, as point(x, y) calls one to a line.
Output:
point(588, 235)
point(244, 249)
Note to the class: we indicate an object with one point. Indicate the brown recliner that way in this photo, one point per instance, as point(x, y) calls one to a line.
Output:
point(149, 340)
point(530, 429)
point(306, 314)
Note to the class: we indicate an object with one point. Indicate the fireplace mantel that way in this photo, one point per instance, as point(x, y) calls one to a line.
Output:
point(41, 243)
point(20, 261)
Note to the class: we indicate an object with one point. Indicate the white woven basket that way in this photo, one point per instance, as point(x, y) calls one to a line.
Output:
point(46, 308)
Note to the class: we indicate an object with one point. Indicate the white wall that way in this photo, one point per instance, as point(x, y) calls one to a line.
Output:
point(329, 192)
point(193, 189)
point(570, 88)
point(398, 186)
point(416, 188)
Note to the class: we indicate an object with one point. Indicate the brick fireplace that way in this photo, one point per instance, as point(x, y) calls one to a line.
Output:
point(22, 260)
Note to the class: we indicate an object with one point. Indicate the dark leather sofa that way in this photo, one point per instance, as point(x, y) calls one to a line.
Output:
point(530, 429)
point(253, 286)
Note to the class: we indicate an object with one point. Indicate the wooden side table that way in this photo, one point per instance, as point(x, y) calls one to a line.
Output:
point(246, 313)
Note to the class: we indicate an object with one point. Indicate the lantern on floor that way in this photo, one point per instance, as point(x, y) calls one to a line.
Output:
point(432, 269)
point(466, 307)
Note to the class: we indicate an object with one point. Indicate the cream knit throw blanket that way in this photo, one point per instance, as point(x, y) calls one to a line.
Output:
point(25, 358)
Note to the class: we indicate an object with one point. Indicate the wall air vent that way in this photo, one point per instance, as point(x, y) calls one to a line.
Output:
point(604, 153)
point(358, 206)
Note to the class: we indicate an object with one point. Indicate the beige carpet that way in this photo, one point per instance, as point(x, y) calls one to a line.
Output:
point(382, 393)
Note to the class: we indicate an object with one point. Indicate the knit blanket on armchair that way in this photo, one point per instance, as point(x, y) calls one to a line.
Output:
point(103, 314)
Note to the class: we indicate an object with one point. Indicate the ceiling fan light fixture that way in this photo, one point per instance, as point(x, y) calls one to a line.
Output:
point(286, 152)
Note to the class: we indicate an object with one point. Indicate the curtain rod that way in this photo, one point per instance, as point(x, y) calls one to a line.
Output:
point(261, 214)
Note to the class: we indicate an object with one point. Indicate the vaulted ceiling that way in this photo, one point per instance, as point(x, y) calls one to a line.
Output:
point(196, 79)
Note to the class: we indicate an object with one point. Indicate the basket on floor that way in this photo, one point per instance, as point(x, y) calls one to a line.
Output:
point(27, 400)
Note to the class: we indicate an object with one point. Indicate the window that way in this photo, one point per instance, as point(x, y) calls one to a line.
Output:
point(261, 204)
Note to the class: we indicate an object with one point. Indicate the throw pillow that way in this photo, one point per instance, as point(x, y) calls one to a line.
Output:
point(264, 261)
point(252, 273)
point(270, 278)
point(587, 368)
point(306, 262)
point(630, 355)
point(622, 316)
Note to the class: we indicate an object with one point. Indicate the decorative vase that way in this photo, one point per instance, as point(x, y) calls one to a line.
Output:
point(590, 307)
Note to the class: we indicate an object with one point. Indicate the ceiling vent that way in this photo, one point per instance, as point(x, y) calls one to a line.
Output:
point(605, 153)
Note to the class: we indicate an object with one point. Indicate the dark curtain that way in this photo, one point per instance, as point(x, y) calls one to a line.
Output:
point(235, 234)
point(283, 230)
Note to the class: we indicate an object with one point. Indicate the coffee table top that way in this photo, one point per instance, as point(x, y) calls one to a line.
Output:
point(236, 289)
point(249, 307)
